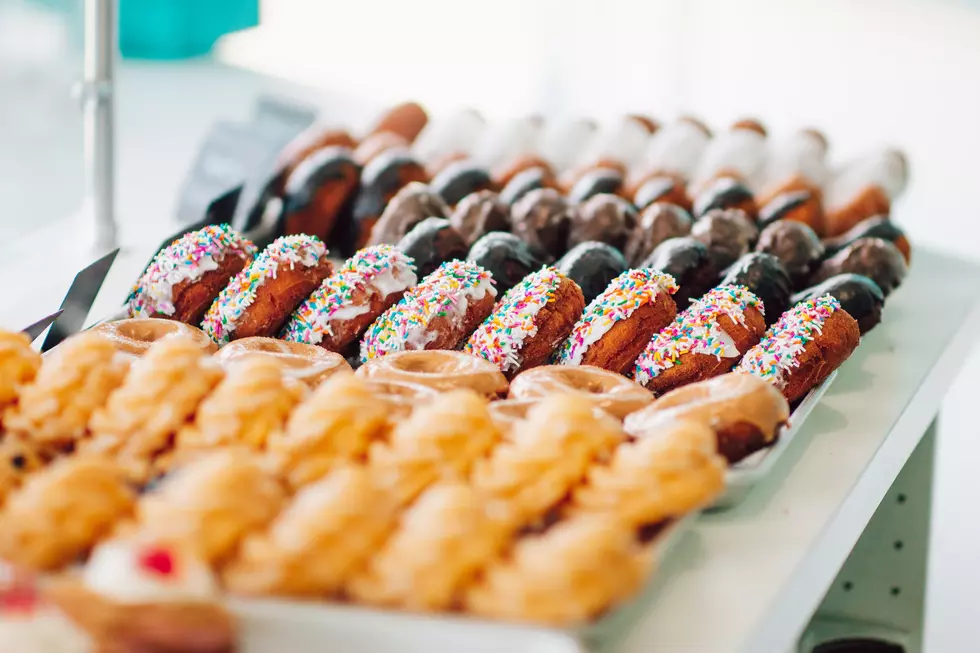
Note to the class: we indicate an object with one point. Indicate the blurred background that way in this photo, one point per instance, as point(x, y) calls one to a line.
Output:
point(867, 73)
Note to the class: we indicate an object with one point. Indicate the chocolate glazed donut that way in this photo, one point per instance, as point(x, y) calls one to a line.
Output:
point(605, 218)
point(688, 261)
point(661, 188)
point(875, 258)
point(876, 227)
point(480, 213)
point(459, 179)
point(795, 206)
point(726, 193)
point(319, 194)
point(658, 222)
point(593, 182)
point(766, 278)
point(592, 265)
point(524, 182)
point(506, 257)
point(384, 176)
point(410, 206)
point(431, 243)
point(542, 219)
point(795, 245)
point(858, 295)
point(727, 233)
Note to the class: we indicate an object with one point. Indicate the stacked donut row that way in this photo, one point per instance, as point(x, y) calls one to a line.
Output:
point(329, 493)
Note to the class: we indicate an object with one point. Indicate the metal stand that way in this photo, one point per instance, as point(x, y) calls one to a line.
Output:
point(96, 95)
point(880, 591)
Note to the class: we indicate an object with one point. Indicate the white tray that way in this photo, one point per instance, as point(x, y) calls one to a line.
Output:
point(276, 626)
point(744, 475)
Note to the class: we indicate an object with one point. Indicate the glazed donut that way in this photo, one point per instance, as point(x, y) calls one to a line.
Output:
point(440, 370)
point(135, 335)
point(607, 390)
point(259, 300)
point(508, 412)
point(401, 397)
point(346, 303)
point(619, 323)
point(804, 346)
point(307, 363)
point(529, 322)
point(184, 278)
point(744, 413)
point(436, 314)
point(704, 341)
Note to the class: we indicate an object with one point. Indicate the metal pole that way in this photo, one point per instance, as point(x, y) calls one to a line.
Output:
point(97, 100)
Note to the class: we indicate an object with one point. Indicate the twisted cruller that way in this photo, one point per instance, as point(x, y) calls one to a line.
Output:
point(160, 393)
point(18, 364)
point(74, 381)
point(318, 541)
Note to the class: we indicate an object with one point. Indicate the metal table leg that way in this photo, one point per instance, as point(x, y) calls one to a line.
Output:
point(880, 591)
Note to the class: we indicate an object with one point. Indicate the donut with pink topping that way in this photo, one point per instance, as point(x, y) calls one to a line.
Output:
point(803, 347)
point(702, 342)
point(617, 325)
point(183, 278)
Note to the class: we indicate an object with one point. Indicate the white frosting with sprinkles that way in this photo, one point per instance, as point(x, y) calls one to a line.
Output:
point(289, 251)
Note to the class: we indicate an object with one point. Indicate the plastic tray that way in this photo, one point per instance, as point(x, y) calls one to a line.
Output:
point(271, 626)
point(744, 475)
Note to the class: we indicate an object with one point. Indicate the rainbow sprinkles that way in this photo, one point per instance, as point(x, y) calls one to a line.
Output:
point(222, 318)
point(697, 331)
point(786, 340)
point(626, 293)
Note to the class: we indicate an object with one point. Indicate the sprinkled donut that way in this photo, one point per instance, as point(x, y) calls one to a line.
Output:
point(619, 323)
point(260, 298)
point(184, 278)
point(803, 347)
point(531, 319)
point(347, 302)
point(703, 341)
point(437, 314)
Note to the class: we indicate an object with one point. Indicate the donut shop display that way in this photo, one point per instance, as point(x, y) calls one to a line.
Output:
point(470, 370)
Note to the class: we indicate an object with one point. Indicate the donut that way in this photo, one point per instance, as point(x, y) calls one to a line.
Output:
point(601, 179)
point(858, 295)
point(410, 206)
point(687, 261)
point(803, 347)
point(459, 179)
point(745, 414)
point(658, 222)
point(376, 144)
point(259, 300)
point(319, 191)
point(728, 234)
point(542, 219)
point(593, 266)
point(658, 187)
point(796, 245)
point(135, 335)
point(875, 258)
point(528, 323)
point(601, 388)
point(766, 278)
point(347, 302)
point(480, 213)
point(439, 370)
point(876, 227)
point(316, 137)
point(605, 218)
point(505, 173)
point(381, 179)
point(704, 341)
point(431, 243)
point(400, 397)
point(184, 278)
point(507, 412)
point(19, 364)
point(725, 193)
point(303, 362)
point(438, 313)
point(802, 206)
point(524, 182)
point(506, 257)
point(406, 120)
point(619, 323)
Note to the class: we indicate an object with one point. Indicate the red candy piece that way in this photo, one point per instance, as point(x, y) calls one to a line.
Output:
point(159, 561)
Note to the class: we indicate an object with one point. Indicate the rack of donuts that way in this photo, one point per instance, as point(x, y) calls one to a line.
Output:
point(564, 338)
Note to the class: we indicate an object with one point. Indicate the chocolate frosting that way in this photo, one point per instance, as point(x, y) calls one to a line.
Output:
point(380, 179)
point(605, 218)
point(593, 182)
point(765, 276)
point(459, 179)
point(858, 295)
point(592, 265)
point(410, 206)
point(728, 234)
point(782, 205)
point(723, 193)
point(875, 258)
point(877, 227)
point(542, 219)
point(688, 261)
point(652, 190)
point(506, 257)
point(326, 165)
point(658, 222)
point(431, 243)
point(522, 183)
point(796, 245)
point(480, 213)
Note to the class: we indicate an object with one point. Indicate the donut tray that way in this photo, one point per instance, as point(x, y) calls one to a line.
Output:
point(744, 475)
point(275, 625)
